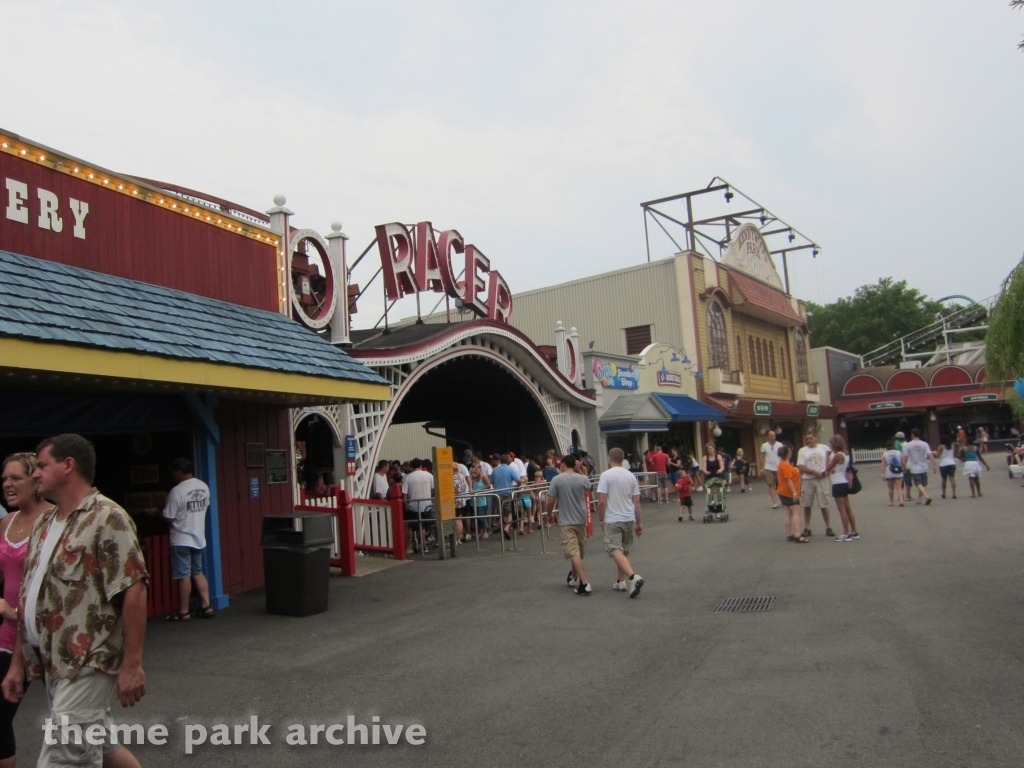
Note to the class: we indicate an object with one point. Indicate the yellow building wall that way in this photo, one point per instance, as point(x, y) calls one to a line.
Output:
point(739, 325)
point(778, 386)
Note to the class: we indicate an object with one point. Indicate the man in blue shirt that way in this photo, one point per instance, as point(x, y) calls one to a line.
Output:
point(504, 478)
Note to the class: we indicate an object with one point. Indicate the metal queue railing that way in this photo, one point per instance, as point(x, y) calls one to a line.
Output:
point(493, 510)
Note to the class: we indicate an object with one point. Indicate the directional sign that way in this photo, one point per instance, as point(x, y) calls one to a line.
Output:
point(886, 404)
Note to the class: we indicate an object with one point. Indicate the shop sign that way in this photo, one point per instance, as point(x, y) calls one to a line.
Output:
point(667, 378)
point(978, 398)
point(762, 408)
point(886, 404)
point(748, 252)
point(277, 466)
point(611, 375)
point(414, 261)
point(140, 502)
point(444, 486)
point(813, 410)
point(350, 454)
point(46, 211)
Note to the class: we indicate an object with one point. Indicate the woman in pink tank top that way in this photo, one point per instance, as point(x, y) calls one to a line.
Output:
point(19, 493)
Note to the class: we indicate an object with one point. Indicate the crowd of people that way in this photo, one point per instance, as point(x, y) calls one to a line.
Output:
point(672, 467)
point(905, 465)
point(505, 494)
point(500, 494)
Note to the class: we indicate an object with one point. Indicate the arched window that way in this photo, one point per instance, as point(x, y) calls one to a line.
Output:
point(771, 357)
point(801, 356)
point(760, 358)
point(783, 363)
point(718, 341)
point(753, 355)
point(739, 353)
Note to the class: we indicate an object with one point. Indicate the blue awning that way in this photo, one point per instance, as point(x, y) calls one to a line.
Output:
point(685, 408)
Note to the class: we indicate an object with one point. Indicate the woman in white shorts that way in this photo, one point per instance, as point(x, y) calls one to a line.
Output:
point(973, 461)
point(947, 464)
point(892, 478)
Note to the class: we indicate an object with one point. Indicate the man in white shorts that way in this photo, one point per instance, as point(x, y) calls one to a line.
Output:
point(815, 483)
point(618, 509)
point(770, 454)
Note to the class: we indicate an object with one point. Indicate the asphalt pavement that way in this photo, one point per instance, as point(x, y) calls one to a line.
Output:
point(900, 649)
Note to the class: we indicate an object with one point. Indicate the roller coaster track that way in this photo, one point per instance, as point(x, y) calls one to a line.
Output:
point(925, 338)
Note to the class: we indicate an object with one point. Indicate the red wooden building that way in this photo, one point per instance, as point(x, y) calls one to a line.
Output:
point(149, 318)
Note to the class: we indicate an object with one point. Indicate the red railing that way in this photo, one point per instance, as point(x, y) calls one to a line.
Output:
point(369, 536)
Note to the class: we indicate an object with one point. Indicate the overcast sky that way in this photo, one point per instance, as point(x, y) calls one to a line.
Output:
point(889, 132)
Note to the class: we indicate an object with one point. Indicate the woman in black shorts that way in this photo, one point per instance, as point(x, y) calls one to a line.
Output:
point(837, 466)
point(712, 463)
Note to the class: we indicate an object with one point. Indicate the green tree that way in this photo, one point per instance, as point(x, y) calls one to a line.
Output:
point(1004, 341)
point(873, 316)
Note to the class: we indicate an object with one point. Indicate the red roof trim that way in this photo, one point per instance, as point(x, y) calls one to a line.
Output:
point(763, 295)
point(968, 379)
point(892, 384)
point(876, 385)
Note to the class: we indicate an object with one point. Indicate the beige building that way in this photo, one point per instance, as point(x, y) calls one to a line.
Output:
point(748, 339)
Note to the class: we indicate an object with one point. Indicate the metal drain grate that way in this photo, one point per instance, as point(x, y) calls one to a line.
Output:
point(744, 604)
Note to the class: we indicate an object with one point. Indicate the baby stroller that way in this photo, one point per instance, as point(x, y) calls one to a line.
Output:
point(714, 495)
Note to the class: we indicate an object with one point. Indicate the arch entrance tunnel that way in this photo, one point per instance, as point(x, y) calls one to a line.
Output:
point(477, 403)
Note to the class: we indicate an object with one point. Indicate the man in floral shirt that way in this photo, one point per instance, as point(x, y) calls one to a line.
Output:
point(82, 612)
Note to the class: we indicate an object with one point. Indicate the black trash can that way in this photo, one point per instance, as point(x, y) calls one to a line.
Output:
point(297, 562)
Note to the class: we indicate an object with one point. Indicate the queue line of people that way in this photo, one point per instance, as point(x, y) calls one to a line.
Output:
point(478, 514)
point(669, 468)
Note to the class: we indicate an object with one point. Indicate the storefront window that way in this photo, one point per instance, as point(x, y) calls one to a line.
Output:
point(718, 341)
point(801, 356)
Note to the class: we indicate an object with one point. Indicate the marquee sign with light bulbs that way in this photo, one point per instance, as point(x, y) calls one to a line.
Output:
point(415, 260)
point(62, 209)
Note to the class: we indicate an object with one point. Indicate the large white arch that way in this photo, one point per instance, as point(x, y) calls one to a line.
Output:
point(562, 404)
point(440, 360)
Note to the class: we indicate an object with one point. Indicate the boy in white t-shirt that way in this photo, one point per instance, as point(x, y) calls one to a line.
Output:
point(618, 509)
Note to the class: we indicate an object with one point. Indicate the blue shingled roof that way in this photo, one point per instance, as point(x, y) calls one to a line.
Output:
point(45, 301)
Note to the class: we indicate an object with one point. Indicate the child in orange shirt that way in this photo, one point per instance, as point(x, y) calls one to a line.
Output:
point(685, 487)
point(789, 495)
